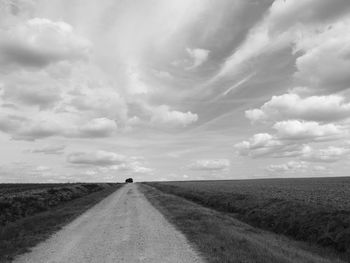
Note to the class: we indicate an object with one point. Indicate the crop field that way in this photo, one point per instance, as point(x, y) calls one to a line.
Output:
point(29, 213)
point(312, 210)
point(16, 188)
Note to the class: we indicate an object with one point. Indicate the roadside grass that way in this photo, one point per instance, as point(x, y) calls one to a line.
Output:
point(221, 238)
point(19, 236)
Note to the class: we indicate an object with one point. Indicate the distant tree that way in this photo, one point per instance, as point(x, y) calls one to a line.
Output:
point(129, 180)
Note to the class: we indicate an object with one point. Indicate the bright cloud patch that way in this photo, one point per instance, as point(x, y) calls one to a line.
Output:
point(264, 144)
point(303, 130)
point(164, 116)
point(210, 165)
point(199, 56)
point(40, 42)
point(292, 106)
point(290, 139)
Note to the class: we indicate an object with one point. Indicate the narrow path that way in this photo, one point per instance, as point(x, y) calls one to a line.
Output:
point(124, 227)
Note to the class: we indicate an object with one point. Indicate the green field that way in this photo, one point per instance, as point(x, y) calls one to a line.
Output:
point(312, 210)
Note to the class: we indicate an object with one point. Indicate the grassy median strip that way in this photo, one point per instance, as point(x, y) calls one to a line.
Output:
point(221, 238)
point(18, 236)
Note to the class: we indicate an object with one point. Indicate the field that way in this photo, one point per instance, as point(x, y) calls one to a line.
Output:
point(29, 213)
point(312, 210)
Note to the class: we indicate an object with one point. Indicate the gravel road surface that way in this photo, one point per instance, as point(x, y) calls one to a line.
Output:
point(124, 227)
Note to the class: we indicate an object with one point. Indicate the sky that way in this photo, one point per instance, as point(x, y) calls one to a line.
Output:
point(173, 90)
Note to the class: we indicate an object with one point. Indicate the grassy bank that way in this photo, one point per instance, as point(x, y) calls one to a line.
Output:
point(20, 202)
point(39, 213)
point(312, 210)
point(221, 238)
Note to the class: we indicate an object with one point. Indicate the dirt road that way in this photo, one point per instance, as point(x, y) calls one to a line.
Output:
point(124, 227)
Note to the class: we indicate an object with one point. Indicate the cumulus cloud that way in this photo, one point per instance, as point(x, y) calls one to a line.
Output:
point(290, 139)
point(210, 165)
point(199, 56)
point(39, 42)
point(264, 144)
point(307, 130)
point(292, 106)
point(163, 115)
point(49, 149)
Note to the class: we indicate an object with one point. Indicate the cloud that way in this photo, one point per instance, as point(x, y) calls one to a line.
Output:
point(35, 93)
point(284, 24)
point(289, 140)
point(162, 75)
point(133, 167)
point(297, 168)
point(108, 162)
point(36, 130)
point(162, 115)
point(96, 128)
point(264, 144)
point(286, 14)
point(49, 149)
point(292, 166)
point(199, 56)
point(324, 63)
point(40, 42)
point(21, 172)
point(98, 158)
point(210, 165)
point(42, 168)
point(291, 106)
point(100, 101)
point(48, 124)
point(307, 130)
point(328, 155)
